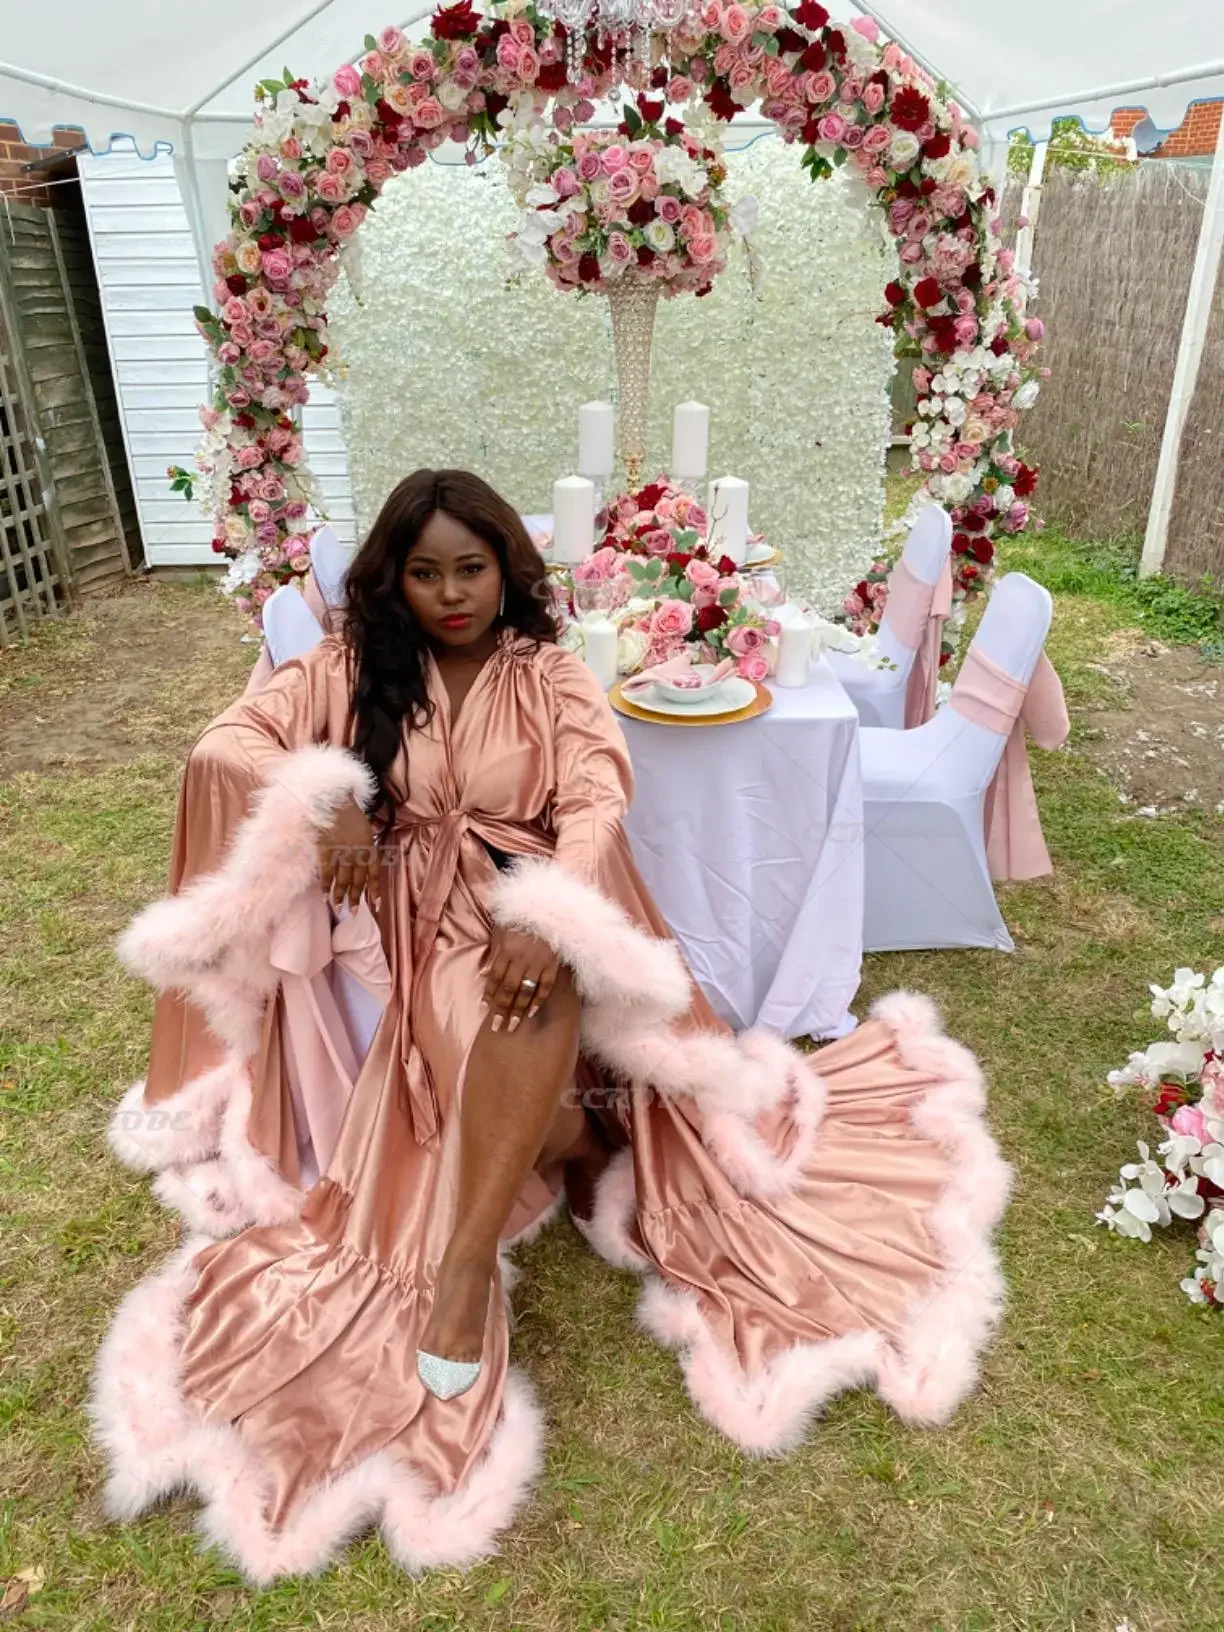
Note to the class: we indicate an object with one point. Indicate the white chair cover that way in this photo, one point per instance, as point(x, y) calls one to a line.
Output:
point(879, 694)
point(928, 881)
point(331, 560)
point(290, 627)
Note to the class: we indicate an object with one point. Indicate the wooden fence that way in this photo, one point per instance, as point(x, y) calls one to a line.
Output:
point(64, 529)
point(1113, 256)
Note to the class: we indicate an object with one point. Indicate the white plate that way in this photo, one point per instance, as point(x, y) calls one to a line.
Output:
point(734, 693)
point(758, 553)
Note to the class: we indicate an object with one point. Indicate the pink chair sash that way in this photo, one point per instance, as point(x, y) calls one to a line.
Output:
point(987, 695)
point(915, 613)
point(321, 1062)
point(328, 616)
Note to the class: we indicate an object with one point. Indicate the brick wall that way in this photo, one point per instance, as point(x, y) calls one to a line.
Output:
point(1194, 138)
point(15, 155)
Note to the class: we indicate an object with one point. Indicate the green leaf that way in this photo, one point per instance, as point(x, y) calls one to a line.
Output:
point(637, 571)
point(272, 86)
point(687, 540)
point(497, 1592)
point(769, 44)
point(370, 89)
point(203, 314)
point(633, 119)
point(728, 597)
point(289, 75)
point(684, 590)
point(654, 571)
point(371, 44)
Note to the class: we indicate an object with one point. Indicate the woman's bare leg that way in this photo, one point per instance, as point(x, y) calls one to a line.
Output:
point(511, 1100)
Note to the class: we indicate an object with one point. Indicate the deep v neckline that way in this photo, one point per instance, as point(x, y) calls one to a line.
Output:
point(452, 718)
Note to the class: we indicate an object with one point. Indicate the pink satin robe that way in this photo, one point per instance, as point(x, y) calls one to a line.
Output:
point(305, 1334)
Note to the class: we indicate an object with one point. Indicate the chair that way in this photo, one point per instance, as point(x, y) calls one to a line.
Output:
point(926, 791)
point(290, 627)
point(919, 598)
point(330, 561)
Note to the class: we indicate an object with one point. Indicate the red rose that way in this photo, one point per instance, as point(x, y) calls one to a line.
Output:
point(247, 421)
point(906, 189)
point(927, 186)
point(944, 331)
point(710, 617)
point(301, 230)
point(971, 277)
point(944, 657)
point(387, 116)
point(1025, 482)
point(552, 77)
point(726, 567)
point(927, 292)
point(1000, 345)
point(811, 15)
point(641, 213)
point(721, 103)
point(270, 240)
point(674, 127)
point(910, 109)
point(983, 551)
point(960, 543)
point(237, 284)
point(588, 268)
point(811, 131)
point(1170, 1097)
point(814, 58)
point(650, 495)
point(650, 111)
point(457, 22)
point(646, 256)
point(343, 109)
point(789, 40)
point(495, 103)
point(939, 146)
point(218, 545)
point(679, 561)
point(973, 524)
point(894, 294)
point(836, 42)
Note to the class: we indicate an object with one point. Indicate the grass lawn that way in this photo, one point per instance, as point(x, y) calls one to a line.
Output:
point(1081, 1487)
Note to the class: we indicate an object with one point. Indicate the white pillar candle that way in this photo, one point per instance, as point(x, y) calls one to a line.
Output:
point(600, 642)
point(690, 439)
point(596, 439)
point(795, 652)
point(728, 507)
point(573, 519)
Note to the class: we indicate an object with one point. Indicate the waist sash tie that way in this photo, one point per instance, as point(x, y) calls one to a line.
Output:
point(915, 613)
point(990, 697)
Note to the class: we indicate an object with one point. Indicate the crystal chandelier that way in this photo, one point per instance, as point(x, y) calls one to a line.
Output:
point(626, 25)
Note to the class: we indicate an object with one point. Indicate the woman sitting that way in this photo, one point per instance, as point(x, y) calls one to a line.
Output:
point(803, 1224)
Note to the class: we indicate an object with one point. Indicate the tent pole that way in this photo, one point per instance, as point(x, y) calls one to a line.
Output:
point(1030, 205)
point(271, 45)
point(189, 186)
point(1189, 354)
point(1069, 100)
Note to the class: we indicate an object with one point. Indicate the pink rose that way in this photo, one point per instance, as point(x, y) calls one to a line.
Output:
point(1189, 1120)
point(566, 183)
point(753, 667)
point(820, 87)
point(667, 209)
point(742, 74)
point(852, 138)
point(347, 82)
point(345, 222)
point(258, 511)
point(911, 254)
point(522, 31)
point(508, 53)
point(429, 114)
point(247, 458)
point(614, 158)
point(292, 185)
point(876, 176)
point(374, 66)
point(735, 24)
point(276, 265)
point(641, 160)
point(701, 574)
point(234, 310)
point(624, 187)
point(378, 173)
point(679, 88)
point(339, 161)
point(671, 618)
point(421, 65)
point(391, 42)
point(769, 20)
point(588, 166)
point(873, 98)
point(266, 167)
point(467, 62)
point(330, 188)
point(657, 542)
point(703, 248)
point(528, 65)
point(744, 639)
point(1034, 328)
point(620, 250)
point(269, 533)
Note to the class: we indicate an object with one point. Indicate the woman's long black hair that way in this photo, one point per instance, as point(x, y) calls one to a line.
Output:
point(386, 646)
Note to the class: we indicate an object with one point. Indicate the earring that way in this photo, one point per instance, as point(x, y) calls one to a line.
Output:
point(501, 611)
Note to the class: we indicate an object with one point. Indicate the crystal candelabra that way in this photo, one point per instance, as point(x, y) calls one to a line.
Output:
point(628, 25)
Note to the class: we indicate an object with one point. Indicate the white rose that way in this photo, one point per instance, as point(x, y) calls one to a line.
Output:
point(904, 150)
point(601, 191)
point(659, 236)
point(956, 488)
point(961, 170)
point(1004, 498)
point(1027, 395)
point(954, 411)
point(631, 651)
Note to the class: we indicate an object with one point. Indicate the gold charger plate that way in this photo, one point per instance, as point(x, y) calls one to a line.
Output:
point(760, 704)
point(774, 560)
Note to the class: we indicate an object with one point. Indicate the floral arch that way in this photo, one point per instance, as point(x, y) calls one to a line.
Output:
point(323, 152)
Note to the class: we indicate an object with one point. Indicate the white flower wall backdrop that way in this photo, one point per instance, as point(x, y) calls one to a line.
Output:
point(446, 365)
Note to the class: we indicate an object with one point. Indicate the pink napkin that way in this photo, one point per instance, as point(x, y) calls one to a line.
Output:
point(678, 671)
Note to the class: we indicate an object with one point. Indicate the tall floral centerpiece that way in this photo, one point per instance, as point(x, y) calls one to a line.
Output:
point(632, 213)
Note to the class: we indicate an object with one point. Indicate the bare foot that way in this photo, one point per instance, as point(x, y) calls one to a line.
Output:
point(456, 1326)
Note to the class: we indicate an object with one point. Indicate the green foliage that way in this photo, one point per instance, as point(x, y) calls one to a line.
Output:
point(1071, 148)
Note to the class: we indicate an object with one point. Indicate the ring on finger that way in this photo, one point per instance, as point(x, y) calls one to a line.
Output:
point(528, 985)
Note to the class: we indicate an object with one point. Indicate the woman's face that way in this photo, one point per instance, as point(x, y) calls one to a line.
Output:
point(452, 583)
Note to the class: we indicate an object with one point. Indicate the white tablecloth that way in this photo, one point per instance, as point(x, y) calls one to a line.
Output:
point(750, 838)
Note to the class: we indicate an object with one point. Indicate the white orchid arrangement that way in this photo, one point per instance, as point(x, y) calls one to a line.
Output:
point(1183, 1080)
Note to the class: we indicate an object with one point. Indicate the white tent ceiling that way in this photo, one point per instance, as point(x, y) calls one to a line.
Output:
point(150, 68)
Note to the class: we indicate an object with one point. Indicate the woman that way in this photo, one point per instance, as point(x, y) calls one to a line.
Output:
point(343, 1360)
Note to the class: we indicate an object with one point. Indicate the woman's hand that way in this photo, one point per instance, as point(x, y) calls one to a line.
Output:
point(349, 857)
point(522, 971)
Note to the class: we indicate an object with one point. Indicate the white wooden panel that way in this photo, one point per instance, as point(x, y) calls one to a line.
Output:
point(149, 280)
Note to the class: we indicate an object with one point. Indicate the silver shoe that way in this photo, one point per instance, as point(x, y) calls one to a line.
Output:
point(446, 1379)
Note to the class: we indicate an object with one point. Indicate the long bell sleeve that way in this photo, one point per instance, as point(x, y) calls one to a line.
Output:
point(594, 777)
